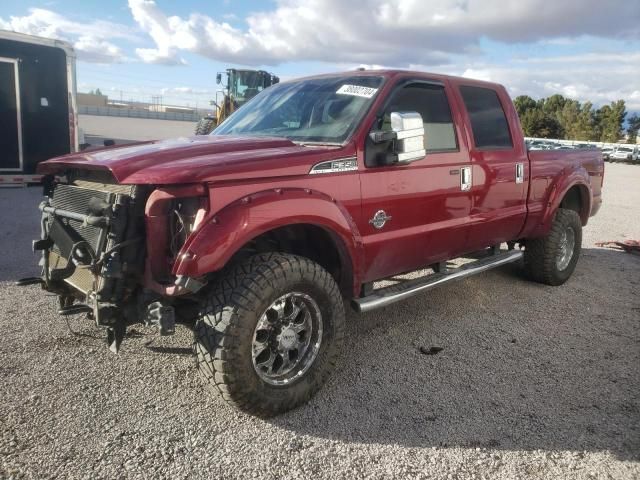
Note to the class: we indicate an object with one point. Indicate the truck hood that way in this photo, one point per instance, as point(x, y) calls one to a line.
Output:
point(198, 159)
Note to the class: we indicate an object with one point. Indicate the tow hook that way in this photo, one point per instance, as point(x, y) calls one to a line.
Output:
point(162, 316)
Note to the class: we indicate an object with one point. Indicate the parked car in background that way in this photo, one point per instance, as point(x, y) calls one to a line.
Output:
point(606, 152)
point(624, 154)
point(542, 145)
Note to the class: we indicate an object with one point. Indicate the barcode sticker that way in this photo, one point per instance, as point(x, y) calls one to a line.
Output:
point(357, 90)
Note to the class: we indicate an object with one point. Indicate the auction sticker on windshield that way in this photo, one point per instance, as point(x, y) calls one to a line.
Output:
point(357, 90)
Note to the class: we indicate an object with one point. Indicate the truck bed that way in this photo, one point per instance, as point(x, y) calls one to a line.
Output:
point(551, 170)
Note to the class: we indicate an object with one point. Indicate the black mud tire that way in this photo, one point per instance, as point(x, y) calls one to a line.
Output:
point(223, 333)
point(205, 126)
point(541, 254)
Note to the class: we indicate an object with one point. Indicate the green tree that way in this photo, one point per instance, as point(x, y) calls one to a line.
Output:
point(634, 127)
point(524, 103)
point(535, 123)
point(568, 118)
point(560, 117)
point(556, 102)
point(553, 105)
point(601, 118)
point(609, 120)
point(585, 122)
point(619, 112)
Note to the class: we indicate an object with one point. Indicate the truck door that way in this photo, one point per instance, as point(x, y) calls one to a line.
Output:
point(10, 128)
point(500, 167)
point(415, 214)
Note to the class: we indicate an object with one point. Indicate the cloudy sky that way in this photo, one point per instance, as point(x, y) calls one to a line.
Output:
point(583, 49)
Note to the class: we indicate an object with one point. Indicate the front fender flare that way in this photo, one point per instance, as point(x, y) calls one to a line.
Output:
point(227, 231)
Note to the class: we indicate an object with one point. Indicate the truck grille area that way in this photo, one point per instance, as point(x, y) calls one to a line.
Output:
point(76, 200)
point(87, 221)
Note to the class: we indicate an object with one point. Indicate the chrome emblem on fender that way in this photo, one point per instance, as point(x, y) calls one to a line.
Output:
point(379, 219)
point(348, 164)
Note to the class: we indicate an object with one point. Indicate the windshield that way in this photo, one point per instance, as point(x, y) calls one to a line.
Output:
point(247, 84)
point(323, 110)
point(624, 149)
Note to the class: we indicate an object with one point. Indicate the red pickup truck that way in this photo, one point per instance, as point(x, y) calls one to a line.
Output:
point(306, 196)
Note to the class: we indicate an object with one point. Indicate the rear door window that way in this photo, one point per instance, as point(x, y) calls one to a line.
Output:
point(488, 120)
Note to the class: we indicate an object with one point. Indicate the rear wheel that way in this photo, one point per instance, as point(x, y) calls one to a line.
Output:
point(269, 333)
point(553, 259)
point(205, 126)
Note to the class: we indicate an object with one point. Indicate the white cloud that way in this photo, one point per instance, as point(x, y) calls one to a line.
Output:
point(188, 90)
point(96, 50)
point(434, 35)
point(441, 35)
point(599, 78)
point(90, 39)
point(478, 74)
point(378, 31)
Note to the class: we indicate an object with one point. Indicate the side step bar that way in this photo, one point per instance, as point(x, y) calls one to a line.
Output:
point(394, 293)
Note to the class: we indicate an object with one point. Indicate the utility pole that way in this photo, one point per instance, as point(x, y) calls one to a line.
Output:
point(156, 102)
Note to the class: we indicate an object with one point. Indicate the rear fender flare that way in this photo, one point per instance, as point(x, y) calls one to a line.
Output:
point(224, 233)
point(559, 191)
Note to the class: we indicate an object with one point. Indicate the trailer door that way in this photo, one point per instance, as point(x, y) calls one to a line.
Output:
point(10, 128)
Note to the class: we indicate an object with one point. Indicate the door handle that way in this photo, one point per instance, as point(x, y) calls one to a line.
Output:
point(519, 172)
point(465, 179)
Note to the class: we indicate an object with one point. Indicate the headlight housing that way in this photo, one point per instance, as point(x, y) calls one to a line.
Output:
point(172, 213)
point(184, 217)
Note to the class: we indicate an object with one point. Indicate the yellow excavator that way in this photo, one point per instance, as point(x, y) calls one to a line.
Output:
point(241, 86)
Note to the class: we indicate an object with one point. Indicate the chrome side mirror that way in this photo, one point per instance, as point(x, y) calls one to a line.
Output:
point(409, 130)
point(406, 139)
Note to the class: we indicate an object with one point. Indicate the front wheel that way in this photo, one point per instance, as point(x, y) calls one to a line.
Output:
point(269, 333)
point(553, 259)
point(205, 126)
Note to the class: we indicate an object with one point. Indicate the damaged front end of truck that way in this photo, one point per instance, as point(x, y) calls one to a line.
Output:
point(95, 239)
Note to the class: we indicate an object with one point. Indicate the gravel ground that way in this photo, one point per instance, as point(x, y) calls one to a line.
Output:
point(533, 381)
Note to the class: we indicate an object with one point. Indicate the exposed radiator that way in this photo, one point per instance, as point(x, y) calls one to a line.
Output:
point(76, 198)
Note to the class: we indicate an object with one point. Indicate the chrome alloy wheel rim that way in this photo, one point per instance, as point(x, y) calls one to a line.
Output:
point(287, 338)
point(566, 247)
